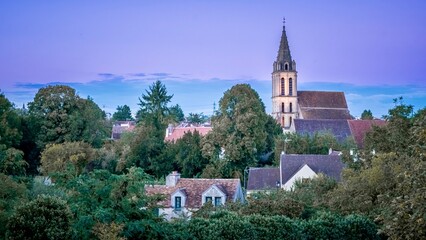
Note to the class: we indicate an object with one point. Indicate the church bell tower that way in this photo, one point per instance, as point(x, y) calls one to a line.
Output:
point(284, 86)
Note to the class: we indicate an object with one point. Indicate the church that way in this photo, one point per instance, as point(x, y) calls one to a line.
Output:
point(305, 111)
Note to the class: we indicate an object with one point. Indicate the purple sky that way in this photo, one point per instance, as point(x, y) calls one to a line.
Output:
point(112, 50)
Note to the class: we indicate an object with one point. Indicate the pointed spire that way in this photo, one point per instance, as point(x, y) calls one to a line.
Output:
point(284, 55)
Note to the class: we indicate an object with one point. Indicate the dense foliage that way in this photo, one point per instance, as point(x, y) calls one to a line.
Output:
point(98, 184)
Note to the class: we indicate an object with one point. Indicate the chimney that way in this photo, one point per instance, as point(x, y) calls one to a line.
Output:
point(169, 130)
point(172, 179)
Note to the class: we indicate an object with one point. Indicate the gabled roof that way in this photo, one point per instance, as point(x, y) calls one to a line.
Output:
point(359, 129)
point(263, 178)
point(329, 165)
point(194, 188)
point(321, 99)
point(178, 132)
point(339, 128)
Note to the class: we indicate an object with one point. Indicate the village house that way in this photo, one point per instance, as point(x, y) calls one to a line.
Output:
point(120, 127)
point(294, 167)
point(182, 196)
point(173, 133)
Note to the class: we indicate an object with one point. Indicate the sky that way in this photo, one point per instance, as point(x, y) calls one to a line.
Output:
point(112, 51)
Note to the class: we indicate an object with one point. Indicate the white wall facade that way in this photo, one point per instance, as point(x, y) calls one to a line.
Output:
point(304, 172)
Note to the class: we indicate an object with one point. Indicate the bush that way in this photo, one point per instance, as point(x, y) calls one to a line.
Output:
point(43, 218)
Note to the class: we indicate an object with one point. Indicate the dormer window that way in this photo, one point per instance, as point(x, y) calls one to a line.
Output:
point(286, 67)
point(178, 203)
point(215, 195)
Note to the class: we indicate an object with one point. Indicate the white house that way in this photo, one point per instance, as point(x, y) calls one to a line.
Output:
point(294, 167)
point(184, 195)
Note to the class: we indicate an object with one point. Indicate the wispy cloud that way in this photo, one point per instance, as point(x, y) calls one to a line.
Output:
point(198, 95)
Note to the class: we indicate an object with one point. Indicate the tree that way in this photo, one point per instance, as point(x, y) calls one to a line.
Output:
point(10, 130)
point(318, 143)
point(176, 114)
point(101, 197)
point(395, 136)
point(239, 128)
point(123, 113)
point(189, 157)
point(12, 194)
point(149, 151)
point(196, 118)
point(43, 218)
point(367, 115)
point(73, 156)
point(154, 110)
point(60, 115)
point(12, 161)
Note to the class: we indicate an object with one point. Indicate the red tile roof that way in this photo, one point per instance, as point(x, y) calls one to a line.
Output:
point(178, 132)
point(194, 188)
point(359, 129)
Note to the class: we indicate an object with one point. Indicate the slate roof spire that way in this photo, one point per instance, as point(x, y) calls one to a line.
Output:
point(284, 55)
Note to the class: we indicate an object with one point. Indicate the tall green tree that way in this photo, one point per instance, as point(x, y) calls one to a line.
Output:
point(123, 113)
point(395, 136)
point(239, 128)
point(153, 106)
point(148, 150)
point(60, 115)
point(188, 155)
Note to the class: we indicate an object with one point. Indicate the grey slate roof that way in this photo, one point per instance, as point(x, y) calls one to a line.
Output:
point(262, 178)
point(330, 165)
point(284, 54)
point(339, 128)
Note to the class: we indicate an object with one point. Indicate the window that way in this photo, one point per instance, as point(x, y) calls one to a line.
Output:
point(290, 87)
point(217, 201)
point(282, 86)
point(282, 107)
point(178, 203)
point(291, 120)
point(286, 67)
point(209, 199)
point(282, 121)
point(291, 107)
